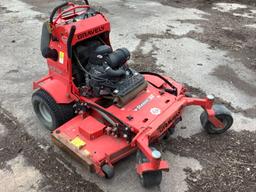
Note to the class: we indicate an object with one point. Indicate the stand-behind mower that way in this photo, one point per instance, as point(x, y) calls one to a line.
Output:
point(100, 109)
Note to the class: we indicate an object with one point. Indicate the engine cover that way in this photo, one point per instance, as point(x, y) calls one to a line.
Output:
point(107, 75)
point(128, 89)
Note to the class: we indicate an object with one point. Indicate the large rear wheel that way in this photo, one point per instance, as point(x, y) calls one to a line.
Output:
point(50, 114)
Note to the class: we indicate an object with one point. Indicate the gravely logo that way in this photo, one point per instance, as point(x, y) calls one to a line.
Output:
point(90, 32)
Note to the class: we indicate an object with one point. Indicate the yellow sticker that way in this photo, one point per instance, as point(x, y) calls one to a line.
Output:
point(78, 142)
point(61, 57)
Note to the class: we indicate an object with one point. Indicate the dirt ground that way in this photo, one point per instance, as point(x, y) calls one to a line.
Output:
point(228, 161)
point(225, 31)
point(58, 174)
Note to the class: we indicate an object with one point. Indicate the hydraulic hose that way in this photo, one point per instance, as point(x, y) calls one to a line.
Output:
point(114, 73)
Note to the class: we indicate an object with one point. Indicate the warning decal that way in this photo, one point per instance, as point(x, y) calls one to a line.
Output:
point(78, 142)
point(61, 57)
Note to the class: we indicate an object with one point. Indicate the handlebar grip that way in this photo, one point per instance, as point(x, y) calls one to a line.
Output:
point(56, 9)
point(70, 38)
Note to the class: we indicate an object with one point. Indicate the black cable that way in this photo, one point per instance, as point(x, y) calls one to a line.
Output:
point(161, 77)
point(83, 69)
point(107, 113)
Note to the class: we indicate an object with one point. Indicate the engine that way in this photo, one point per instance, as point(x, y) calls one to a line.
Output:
point(107, 75)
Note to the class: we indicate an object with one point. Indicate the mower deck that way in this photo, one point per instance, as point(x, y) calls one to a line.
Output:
point(86, 136)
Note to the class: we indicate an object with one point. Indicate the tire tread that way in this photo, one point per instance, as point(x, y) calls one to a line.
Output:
point(62, 112)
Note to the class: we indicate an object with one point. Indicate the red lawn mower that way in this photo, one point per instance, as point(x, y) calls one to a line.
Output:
point(100, 109)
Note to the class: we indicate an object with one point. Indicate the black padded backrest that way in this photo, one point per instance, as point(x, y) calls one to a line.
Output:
point(45, 39)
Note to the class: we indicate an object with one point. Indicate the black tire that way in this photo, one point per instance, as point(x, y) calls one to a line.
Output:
point(51, 114)
point(223, 114)
point(151, 178)
point(108, 171)
point(168, 134)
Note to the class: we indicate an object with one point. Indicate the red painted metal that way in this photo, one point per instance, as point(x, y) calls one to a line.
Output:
point(91, 128)
point(150, 121)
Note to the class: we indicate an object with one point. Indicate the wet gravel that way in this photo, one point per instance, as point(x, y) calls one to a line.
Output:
point(229, 161)
point(223, 30)
point(202, 4)
point(144, 62)
point(58, 174)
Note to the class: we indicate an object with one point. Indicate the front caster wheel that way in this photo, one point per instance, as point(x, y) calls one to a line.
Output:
point(151, 179)
point(221, 113)
point(108, 171)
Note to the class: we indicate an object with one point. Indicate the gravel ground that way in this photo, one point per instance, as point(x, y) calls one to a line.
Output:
point(228, 161)
point(225, 30)
point(58, 176)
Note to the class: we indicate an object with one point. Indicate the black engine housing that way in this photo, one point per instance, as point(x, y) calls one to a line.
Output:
point(108, 75)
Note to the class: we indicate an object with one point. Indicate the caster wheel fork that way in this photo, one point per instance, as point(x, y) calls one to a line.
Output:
point(148, 179)
point(221, 113)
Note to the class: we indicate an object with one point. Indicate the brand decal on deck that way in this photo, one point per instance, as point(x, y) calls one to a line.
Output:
point(146, 101)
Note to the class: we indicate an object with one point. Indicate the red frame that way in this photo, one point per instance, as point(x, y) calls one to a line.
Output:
point(146, 126)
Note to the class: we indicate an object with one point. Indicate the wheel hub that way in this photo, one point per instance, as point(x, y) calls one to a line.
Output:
point(45, 112)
